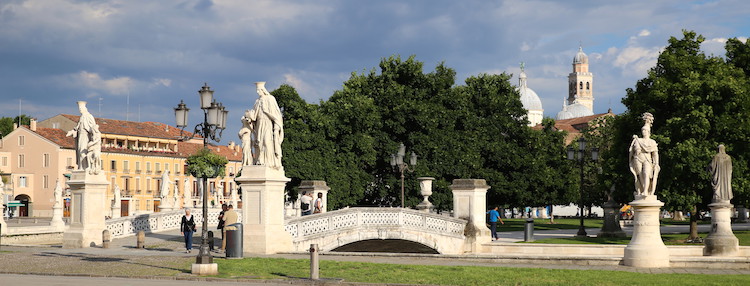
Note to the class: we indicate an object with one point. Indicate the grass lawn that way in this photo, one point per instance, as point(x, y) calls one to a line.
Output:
point(516, 224)
point(277, 268)
point(669, 239)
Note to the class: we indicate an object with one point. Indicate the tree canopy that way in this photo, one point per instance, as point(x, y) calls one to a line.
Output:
point(475, 130)
point(698, 102)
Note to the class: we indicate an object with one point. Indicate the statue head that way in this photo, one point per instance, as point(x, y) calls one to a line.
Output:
point(82, 107)
point(722, 150)
point(260, 87)
point(648, 118)
point(646, 131)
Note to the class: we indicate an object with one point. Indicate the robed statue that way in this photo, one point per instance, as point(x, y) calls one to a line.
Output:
point(87, 141)
point(644, 159)
point(721, 176)
point(246, 139)
point(267, 129)
point(165, 182)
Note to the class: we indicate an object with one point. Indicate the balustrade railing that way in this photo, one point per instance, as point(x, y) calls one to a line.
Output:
point(331, 222)
point(158, 222)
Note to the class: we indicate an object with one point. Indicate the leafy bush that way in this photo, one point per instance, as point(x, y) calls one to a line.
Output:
point(206, 164)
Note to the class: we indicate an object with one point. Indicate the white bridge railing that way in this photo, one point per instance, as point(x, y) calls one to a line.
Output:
point(331, 222)
point(158, 222)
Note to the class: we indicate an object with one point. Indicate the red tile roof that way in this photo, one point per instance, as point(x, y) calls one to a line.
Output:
point(132, 128)
point(57, 136)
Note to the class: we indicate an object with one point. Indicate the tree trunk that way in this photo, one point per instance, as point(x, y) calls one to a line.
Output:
point(693, 237)
point(678, 216)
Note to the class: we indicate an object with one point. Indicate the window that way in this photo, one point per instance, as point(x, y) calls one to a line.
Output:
point(137, 166)
point(231, 170)
point(21, 140)
point(45, 181)
point(148, 167)
point(166, 167)
point(22, 182)
point(587, 86)
point(21, 161)
point(157, 167)
point(56, 125)
point(148, 184)
point(69, 162)
point(137, 184)
point(127, 184)
point(45, 160)
point(5, 161)
point(113, 165)
point(581, 85)
point(177, 168)
point(126, 166)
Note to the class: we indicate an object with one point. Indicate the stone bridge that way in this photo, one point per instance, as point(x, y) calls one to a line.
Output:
point(334, 229)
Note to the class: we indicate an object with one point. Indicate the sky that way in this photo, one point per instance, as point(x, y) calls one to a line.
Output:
point(136, 59)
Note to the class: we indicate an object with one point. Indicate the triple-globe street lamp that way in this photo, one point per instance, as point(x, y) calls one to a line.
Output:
point(580, 156)
point(397, 160)
point(214, 123)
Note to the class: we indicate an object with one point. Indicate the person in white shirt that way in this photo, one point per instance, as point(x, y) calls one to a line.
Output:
point(306, 203)
point(318, 206)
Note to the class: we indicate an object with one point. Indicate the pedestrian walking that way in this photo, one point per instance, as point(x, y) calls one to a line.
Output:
point(494, 217)
point(187, 228)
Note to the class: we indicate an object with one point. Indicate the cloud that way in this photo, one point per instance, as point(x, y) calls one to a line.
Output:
point(644, 33)
point(115, 86)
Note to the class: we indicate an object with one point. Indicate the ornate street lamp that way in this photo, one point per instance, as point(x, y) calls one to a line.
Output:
point(398, 160)
point(214, 123)
point(580, 156)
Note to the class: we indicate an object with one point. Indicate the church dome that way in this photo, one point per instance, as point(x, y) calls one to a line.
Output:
point(581, 57)
point(529, 99)
point(564, 114)
point(579, 110)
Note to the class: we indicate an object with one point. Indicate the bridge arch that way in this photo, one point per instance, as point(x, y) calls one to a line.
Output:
point(338, 228)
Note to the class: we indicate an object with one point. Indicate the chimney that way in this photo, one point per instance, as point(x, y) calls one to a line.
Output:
point(15, 126)
point(32, 124)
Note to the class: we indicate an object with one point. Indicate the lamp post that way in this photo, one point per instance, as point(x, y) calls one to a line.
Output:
point(397, 160)
point(580, 156)
point(214, 123)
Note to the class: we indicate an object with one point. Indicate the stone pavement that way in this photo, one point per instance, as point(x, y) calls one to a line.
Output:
point(164, 258)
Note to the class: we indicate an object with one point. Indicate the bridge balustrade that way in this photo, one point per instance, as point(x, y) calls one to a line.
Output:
point(157, 222)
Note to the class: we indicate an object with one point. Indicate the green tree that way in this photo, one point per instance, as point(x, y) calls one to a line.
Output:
point(6, 123)
point(476, 130)
point(698, 101)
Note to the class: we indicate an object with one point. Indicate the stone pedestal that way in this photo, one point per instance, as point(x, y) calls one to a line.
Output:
point(263, 210)
point(425, 186)
point(721, 240)
point(469, 203)
point(57, 217)
point(313, 187)
point(741, 214)
point(116, 211)
point(646, 249)
point(87, 209)
point(543, 212)
point(3, 223)
point(205, 269)
point(611, 227)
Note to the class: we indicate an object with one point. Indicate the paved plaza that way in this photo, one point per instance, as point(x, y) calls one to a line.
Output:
point(162, 261)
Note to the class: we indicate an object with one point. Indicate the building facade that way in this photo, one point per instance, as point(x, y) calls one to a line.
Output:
point(136, 156)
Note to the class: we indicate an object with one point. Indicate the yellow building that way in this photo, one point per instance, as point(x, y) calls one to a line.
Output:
point(135, 156)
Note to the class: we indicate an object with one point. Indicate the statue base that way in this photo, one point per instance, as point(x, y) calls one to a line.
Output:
point(611, 227)
point(116, 212)
point(425, 206)
point(88, 196)
point(721, 240)
point(57, 221)
point(205, 269)
point(263, 190)
point(646, 249)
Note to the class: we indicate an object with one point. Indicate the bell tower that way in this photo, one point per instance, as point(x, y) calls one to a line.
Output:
point(581, 81)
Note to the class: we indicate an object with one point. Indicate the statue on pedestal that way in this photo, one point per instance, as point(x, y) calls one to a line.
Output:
point(58, 195)
point(118, 196)
point(267, 129)
point(187, 193)
point(219, 192)
point(88, 141)
point(165, 182)
point(644, 159)
point(721, 176)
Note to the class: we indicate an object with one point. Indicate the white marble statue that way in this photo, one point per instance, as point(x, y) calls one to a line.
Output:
point(721, 176)
point(175, 197)
point(187, 192)
point(57, 195)
point(245, 134)
point(234, 197)
point(165, 182)
point(118, 196)
point(2, 196)
point(219, 192)
point(644, 159)
point(267, 128)
point(88, 141)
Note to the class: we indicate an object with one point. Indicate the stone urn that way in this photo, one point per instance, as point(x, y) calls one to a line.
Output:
point(425, 185)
